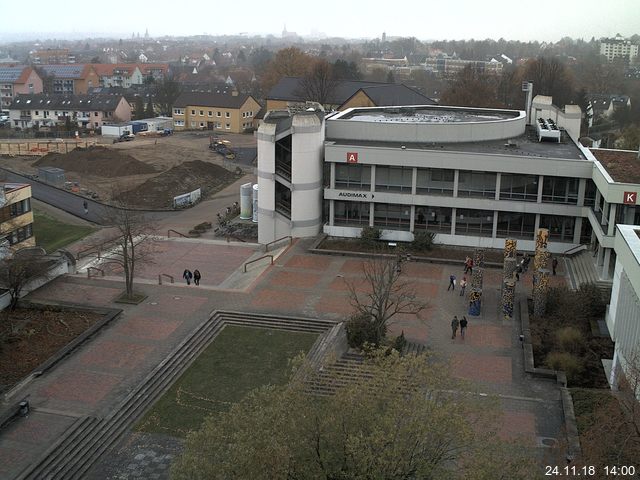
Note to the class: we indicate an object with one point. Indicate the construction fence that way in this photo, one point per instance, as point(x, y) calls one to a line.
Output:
point(43, 147)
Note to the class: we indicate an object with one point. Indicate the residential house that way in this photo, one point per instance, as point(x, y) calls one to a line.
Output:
point(69, 79)
point(118, 75)
point(618, 47)
point(289, 92)
point(16, 217)
point(85, 111)
point(16, 80)
point(155, 71)
point(212, 111)
point(52, 56)
point(602, 105)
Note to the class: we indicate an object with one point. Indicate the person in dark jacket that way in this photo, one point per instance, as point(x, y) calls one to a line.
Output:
point(463, 326)
point(187, 275)
point(196, 276)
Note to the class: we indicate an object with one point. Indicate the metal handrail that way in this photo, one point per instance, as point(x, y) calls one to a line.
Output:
point(576, 248)
point(255, 260)
point(94, 268)
point(160, 275)
point(175, 231)
point(266, 247)
point(97, 248)
point(91, 249)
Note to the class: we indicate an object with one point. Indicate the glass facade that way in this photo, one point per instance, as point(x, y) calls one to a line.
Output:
point(433, 219)
point(519, 187)
point(476, 184)
point(590, 193)
point(474, 222)
point(560, 228)
point(516, 225)
point(394, 217)
point(394, 179)
point(351, 213)
point(560, 190)
point(353, 176)
point(435, 181)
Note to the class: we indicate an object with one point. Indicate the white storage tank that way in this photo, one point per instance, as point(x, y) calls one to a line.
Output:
point(246, 201)
point(255, 203)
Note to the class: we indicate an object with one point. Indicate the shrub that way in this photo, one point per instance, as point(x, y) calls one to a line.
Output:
point(360, 330)
point(569, 339)
point(399, 343)
point(570, 364)
point(423, 240)
point(370, 235)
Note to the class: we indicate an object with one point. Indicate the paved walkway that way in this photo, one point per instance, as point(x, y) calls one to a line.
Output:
point(104, 370)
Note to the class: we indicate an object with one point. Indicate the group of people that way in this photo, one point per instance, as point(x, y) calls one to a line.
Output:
point(455, 324)
point(453, 281)
point(187, 275)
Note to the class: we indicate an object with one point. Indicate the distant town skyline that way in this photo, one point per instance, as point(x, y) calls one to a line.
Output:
point(425, 20)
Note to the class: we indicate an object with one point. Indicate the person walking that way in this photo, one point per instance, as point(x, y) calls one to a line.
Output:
point(463, 326)
point(518, 272)
point(554, 265)
point(85, 205)
point(466, 264)
point(525, 262)
point(196, 277)
point(463, 285)
point(187, 275)
point(452, 282)
point(454, 326)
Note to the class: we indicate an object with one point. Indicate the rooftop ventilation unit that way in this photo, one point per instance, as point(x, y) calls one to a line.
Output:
point(547, 129)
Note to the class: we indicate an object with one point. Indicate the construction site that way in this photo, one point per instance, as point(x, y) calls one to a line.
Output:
point(144, 173)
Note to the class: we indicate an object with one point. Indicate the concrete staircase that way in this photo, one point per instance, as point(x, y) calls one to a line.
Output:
point(582, 270)
point(88, 438)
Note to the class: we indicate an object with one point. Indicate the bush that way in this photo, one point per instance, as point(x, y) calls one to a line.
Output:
point(570, 364)
point(360, 330)
point(370, 235)
point(399, 343)
point(569, 339)
point(423, 240)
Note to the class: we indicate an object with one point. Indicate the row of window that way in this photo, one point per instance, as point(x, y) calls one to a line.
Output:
point(437, 181)
point(439, 219)
point(180, 111)
point(20, 235)
point(15, 209)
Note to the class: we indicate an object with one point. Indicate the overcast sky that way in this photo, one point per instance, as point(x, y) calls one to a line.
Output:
point(425, 19)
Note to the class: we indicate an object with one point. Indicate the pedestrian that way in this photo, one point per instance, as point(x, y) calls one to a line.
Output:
point(470, 266)
point(454, 326)
point(85, 204)
point(518, 272)
point(525, 263)
point(452, 282)
point(554, 264)
point(187, 275)
point(466, 264)
point(463, 326)
point(196, 277)
point(463, 285)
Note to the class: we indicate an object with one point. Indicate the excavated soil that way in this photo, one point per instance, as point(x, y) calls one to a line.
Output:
point(98, 160)
point(158, 192)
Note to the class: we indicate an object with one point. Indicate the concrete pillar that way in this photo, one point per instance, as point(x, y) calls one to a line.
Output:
point(536, 225)
point(373, 179)
point(332, 182)
point(454, 213)
point(611, 229)
point(604, 213)
point(577, 230)
point(540, 185)
point(414, 182)
point(412, 215)
point(498, 180)
point(600, 255)
point(371, 207)
point(456, 177)
point(332, 211)
point(494, 231)
point(604, 274)
point(582, 188)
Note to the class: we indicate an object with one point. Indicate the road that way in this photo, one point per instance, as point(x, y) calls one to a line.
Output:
point(70, 202)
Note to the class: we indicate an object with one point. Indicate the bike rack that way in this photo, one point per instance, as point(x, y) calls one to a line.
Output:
point(259, 258)
point(266, 247)
point(175, 231)
point(170, 277)
point(94, 268)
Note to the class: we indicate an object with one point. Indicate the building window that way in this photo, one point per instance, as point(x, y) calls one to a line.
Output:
point(193, 124)
point(519, 187)
point(201, 124)
point(590, 193)
point(20, 234)
point(227, 126)
point(393, 217)
point(202, 113)
point(193, 112)
point(560, 227)
point(560, 190)
point(178, 123)
point(178, 111)
point(353, 176)
point(516, 225)
point(210, 113)
point(435, 181)
point(394, 179)
point(433, 219)
point(227, 115)
point(474, 222)
point(218, 114)
point(351, 213)
point(476, 184)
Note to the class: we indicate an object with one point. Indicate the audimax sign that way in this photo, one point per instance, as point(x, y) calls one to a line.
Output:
point(360, 195)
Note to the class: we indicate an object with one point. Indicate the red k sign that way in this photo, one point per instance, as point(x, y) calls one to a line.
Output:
point(352, 157)
point(630, 198)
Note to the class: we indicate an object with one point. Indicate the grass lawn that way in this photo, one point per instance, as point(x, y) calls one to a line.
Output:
point(51, 234)
point(239, 360)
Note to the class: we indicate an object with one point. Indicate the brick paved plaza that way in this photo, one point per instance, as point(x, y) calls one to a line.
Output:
point(104, 370)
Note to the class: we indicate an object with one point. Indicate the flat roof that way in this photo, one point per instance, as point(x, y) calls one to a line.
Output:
point(622, 165)
point(427, 114)
point(526, 145)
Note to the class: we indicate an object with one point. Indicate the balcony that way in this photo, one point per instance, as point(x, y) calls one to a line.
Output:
point(283, 168)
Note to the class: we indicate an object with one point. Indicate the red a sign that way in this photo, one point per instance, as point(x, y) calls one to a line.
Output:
point(630, 198)
point(352, 157)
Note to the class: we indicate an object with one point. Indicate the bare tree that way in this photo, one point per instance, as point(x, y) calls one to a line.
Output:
point(20, 270)
point(471, 88)
point(386, 294)
point(319, 84)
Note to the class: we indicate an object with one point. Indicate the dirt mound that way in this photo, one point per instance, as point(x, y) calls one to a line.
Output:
point(158, 192)
point(100, 161)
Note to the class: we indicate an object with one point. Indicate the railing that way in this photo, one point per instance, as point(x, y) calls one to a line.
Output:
point(235, 237)
point(170, 277)
point(266, 247)
point(90, 249)
point(284, 209)
point(574, 250)
point(175, 231)
point(259, 258)
point(96, 269)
